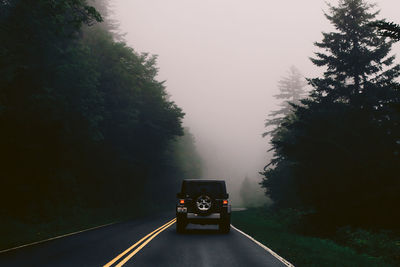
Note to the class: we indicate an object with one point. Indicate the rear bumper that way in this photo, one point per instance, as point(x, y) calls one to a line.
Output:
point(213, 218)
point(200, 217)
point(188, 212)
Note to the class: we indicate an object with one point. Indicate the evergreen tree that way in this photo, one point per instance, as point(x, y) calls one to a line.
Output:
point(338, 153)
point(356, 57)
point(80, 113)
point(291, 90)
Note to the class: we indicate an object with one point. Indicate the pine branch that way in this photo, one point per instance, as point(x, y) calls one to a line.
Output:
point(387, 29)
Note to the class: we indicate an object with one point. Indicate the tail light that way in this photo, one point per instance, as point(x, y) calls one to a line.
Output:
point(181, 201)
point(225, 202)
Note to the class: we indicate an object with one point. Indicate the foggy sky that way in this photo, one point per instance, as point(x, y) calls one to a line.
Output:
point(221, 60)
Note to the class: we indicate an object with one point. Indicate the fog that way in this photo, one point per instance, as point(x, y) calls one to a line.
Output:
point(221, 60)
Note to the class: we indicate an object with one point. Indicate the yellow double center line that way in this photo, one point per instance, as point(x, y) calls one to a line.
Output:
point(148, 238)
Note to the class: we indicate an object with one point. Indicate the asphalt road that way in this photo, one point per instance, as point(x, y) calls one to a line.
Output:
point(199, 246)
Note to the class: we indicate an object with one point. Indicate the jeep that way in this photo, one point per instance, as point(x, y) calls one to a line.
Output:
point(203, 202)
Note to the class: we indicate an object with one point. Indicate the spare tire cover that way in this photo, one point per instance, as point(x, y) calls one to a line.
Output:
point(203, 204)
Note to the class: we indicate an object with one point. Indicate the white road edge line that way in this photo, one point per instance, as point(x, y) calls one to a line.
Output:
point(57, 237)
point(265, 247)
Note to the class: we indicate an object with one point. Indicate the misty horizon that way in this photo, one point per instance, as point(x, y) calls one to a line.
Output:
point(221, 61)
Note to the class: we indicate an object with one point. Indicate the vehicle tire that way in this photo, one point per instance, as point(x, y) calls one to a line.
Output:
point(225, 226)
point(180, 226)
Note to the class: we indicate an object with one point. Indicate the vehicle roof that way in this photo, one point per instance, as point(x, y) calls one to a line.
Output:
point(202, 180)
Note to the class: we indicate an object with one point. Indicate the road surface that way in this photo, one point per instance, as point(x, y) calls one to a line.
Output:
point(146, 242)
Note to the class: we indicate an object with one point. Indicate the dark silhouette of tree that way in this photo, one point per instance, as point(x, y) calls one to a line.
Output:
point(82, 113)
point(355, 56)
point(338, 153)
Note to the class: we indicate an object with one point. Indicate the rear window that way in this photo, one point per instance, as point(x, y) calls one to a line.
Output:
point(198, 188)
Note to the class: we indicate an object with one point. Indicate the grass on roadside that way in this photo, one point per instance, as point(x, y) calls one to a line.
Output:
point(273, 230)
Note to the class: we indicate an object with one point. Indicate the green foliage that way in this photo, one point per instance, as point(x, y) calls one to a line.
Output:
point(379, 244)
point(337, 155)
point(85, 124)
point(275, 229)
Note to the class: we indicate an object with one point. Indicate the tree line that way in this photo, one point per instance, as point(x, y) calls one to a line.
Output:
point(84, 122)
point(337, 151)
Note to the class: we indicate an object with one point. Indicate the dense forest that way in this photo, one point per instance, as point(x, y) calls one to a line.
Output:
point(337, 151)
point(85, 124)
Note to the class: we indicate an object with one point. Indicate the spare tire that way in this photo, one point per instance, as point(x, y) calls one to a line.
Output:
point(204, 204)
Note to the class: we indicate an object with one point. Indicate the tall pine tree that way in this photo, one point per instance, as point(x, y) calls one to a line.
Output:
point(338, 154)
point(356, 57)
point(291, 90)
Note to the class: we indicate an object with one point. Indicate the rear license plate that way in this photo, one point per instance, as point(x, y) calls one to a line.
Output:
point(182, 209)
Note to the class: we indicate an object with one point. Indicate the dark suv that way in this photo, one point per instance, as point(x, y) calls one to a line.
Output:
point(203, 202)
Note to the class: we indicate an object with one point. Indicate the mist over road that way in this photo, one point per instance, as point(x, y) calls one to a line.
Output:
point(199, 246)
